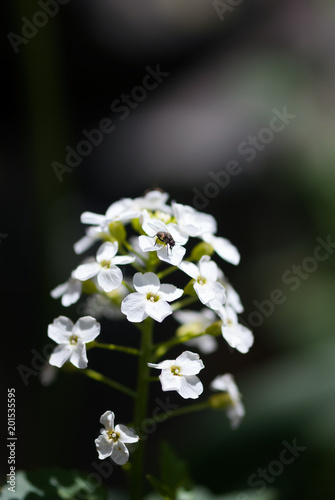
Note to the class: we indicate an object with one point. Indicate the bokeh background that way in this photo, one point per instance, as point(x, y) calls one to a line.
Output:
point(227, 69)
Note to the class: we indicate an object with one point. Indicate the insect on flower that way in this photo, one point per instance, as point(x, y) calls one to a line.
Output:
point(165, 238)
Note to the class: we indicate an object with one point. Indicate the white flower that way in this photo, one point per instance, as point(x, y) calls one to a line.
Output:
point(150, 299)
point(205, 276)
point(223, 247)
point(113, 440)
point(72, 339)
point(101, 306)
point(233, 299)
point(165, 252)
point(236, 411)
point(180, 374)
point(119, 211)
point(238, 336)
point(191, 222)
point(93, 234)
point(70, 292)
point(152, 200)
point(196, 322)
point(109, 276)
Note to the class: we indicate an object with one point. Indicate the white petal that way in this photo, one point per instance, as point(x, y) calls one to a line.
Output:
point(158, 310)
point(153, 226)
point(86, 271)
point(78, 357)
point(92, 218)
point(60, 330)
point(190, 363)
point(87, 328)
point(73, 293)
point(170, 292)
point(163, 365)
point(233, 299)
point(190, 269)
point(226, 250)
point(110, 279)
point(205, 292)
point(190, 387)
point(206, 344)
point(146, 283)
point(147, 243)
point(104, 447)
point(120, 453)
point(107, 420)
point(177, 234)
point(121, 260)
point(208, 268)
point(173, 255)
point(133, 306)
point(59, 290)
point(60, 355)
point(169, 381)
point(238, 337)
point(107, 251)
point(126, 434)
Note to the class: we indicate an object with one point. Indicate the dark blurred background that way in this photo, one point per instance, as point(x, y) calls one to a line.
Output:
point(220, 72)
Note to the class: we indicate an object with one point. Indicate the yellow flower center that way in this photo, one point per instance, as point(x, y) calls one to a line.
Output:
point(105, 263)
point(114, 436)
point(74, 340)
point(152, 297)
point(175, 370)
point(201, 280)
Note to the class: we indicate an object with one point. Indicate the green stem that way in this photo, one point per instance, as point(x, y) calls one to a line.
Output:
point(167, 271)
point(141, 404)
point(181, 411)
point(161, 349)
point(105, 380)
point(184, 302)
point(114, 347)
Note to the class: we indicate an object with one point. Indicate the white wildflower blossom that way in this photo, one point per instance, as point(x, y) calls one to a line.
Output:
point(72, 339)
point(235, 411)
point(180, 374)
point(209, 291)
point(150, 299)
point(238, 336)
point(70, 292)
point(196, 322)
point(109, 276)
point(172, 252)
point(113, 440)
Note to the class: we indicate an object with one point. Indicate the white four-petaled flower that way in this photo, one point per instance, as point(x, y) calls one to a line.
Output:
point(195, 322)
point(210, 292)
point(165, 252)
point(109, 276)
point(72, 339)
point(70, 292)
point(113, 439)
point(238, 336)
point(235, 411)
point(180, 374)
point(150, 299)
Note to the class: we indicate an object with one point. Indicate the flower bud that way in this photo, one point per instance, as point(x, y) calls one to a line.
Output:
point(200, 250)
point(117, 231)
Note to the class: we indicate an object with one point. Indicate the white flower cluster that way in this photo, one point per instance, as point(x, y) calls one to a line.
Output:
point(162, 232)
